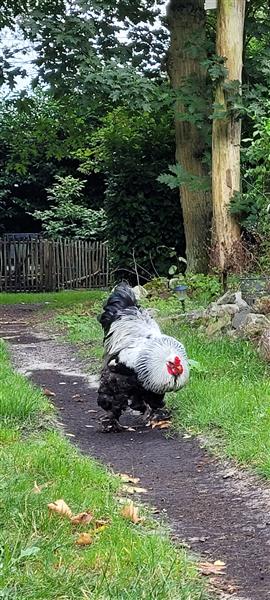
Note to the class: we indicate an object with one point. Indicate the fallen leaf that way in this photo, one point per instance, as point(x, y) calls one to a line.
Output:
point(208, 568)
point(224, 586)
point(60, 507)
point(77, 397)
point(160, 424)
point(131, 512)
point(131, 489)
point(48, 392)
point(82, 518)
point(128, 479)
point(37, 489)
point(85, 539)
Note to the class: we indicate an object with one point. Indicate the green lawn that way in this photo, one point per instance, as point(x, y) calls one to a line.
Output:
point(229, 400)
point(39, 556)
point(62, 299)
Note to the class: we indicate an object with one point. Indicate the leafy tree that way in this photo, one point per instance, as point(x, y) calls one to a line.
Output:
point(144, 217)
point(38, 138)
point(67, 216)
point(252, 205)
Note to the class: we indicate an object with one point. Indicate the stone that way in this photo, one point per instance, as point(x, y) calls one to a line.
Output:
point(240, 318)
point(227, 298)
point(251, 324)
point(219, 325)
point(233, 298)
point(197, 315)
point(140, 292)
point(219, 310)
point(264, 345)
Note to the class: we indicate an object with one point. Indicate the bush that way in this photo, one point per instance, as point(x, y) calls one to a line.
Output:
point(143, 216)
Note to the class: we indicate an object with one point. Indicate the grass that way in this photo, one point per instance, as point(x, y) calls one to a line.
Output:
point(229, 400)
point(39, 556)
point(18, 401)
point(57, 300)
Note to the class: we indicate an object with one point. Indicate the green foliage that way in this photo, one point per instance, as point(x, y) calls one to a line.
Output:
point(252, 205)
point(201, 288)
point(132, 149)
point(178, 177)
point(73, 40)
point(67, 216)
point(38, 137)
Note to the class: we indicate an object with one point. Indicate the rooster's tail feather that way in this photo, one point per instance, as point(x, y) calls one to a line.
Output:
point(121, 299)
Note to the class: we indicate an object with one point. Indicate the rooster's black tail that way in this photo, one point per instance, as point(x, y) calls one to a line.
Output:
point(122, 299)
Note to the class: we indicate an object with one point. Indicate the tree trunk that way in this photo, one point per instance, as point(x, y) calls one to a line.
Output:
point(227, 252)
point(186, 21)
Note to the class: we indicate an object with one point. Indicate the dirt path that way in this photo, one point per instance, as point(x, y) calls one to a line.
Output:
point(221, 513)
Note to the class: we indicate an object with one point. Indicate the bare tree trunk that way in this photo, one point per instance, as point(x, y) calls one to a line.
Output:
point(226, 139)
point(186, 21)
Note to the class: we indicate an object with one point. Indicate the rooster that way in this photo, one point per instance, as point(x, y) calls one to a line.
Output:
point(140, 364)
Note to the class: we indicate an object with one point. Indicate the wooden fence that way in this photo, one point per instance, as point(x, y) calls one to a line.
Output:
point(45, 265)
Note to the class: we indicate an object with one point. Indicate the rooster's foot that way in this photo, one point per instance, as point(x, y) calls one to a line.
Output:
point(112, 426)
point(160, 414)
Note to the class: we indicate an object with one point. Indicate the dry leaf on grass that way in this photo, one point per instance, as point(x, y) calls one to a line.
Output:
point(85, 539)
point(131, 489)
point(82, 518)
point(160, 424)
point(131, 512)
point(60, 507)
point(47, 392)
point(128, 478)
point(208, 568)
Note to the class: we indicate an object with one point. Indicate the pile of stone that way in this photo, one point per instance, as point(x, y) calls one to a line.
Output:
point(233, 316)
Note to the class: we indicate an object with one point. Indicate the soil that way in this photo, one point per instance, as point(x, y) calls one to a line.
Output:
point(220, 512)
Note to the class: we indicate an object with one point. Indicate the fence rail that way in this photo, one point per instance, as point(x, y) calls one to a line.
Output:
point(48, 265)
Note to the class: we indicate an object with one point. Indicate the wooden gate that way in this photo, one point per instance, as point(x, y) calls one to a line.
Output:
point(39, 265)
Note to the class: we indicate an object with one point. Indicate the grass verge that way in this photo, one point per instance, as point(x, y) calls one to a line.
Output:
point(39, 556)
point(57, 300)
point(229, 400)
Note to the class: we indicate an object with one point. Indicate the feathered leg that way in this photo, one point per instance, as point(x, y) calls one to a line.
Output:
point(113, 397)
point(157, 408)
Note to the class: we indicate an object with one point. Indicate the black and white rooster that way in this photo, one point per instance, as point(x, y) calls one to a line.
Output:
point(141, 364)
